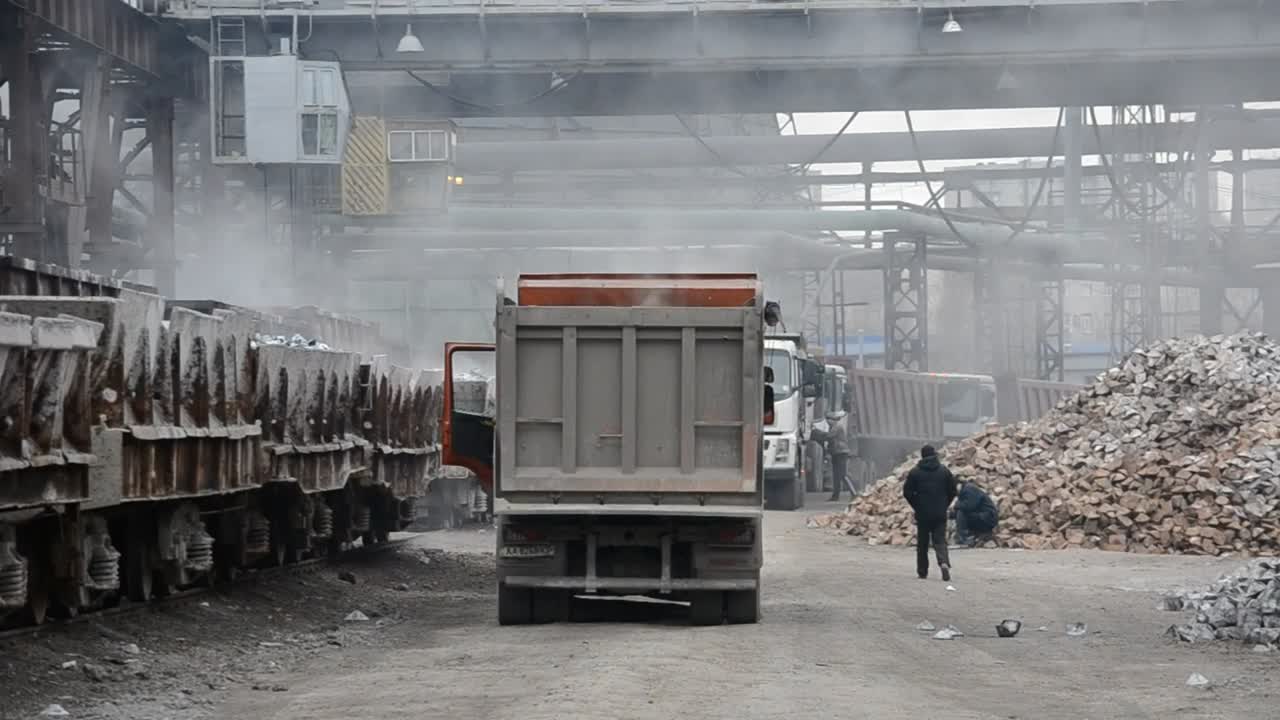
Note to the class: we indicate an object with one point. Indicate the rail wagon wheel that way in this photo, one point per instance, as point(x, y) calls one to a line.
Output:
point(37, 596)
point(139, 580)
point(279, 552)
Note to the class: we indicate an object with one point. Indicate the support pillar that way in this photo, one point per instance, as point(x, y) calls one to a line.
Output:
point(1050, 345)
point(160, 228)
point(867, 195)
point(1072, 170)
point(102, 154)
point(839, 310)
point(992, 297)
point(1050, 298)
point(906, 303)
point(302, 243)
point(811, 301)
point(1270, 296)
point(25, 218)
point(1213, 290)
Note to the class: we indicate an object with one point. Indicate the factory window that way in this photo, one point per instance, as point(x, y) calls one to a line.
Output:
point(417, 145)
point(320, 134)
point(319, 87)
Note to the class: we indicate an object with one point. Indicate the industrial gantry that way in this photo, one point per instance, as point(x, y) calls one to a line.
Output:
point(331, 128)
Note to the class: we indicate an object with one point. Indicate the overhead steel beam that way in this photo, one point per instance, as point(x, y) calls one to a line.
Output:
point(661, 57)
point(459, 37)
point(491, 157)
point(110, 26)
point(963, 86)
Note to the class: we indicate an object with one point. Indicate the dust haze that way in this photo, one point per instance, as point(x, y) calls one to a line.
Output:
point(437, 276)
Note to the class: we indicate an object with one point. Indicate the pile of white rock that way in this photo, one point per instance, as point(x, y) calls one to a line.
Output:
point(1243, 606)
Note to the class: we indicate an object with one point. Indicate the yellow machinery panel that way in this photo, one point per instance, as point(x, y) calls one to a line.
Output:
point(365, 175)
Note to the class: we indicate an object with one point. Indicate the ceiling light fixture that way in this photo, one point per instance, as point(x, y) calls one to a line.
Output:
point(410, 42)
point(951, 26)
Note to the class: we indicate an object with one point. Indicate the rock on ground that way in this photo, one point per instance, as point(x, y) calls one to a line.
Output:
point(1243, 606)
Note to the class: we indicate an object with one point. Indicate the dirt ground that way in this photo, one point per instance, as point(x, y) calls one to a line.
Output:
point(838, 639)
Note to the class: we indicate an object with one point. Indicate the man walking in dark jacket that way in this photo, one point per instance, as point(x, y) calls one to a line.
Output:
point(929, 489)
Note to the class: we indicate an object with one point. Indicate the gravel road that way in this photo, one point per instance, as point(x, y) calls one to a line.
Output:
point(838, 640)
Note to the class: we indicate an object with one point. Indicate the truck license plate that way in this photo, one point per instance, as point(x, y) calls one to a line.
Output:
point(528, 551)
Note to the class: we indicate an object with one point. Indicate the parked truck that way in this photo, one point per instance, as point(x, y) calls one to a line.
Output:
point(625, 446)
point(790, 456)
point(894, 412)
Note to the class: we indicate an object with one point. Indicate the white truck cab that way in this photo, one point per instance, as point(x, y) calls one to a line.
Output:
point(797, 384)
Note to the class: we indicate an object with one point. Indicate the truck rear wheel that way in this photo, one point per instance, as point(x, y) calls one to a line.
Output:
point(742, 606)
point(706, 607)
point(786, 493)
point(551, 605)
point(515, 606)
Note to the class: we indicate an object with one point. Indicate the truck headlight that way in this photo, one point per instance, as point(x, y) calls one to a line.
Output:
point(782, 447)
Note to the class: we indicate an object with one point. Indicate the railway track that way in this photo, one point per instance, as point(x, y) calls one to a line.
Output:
point(248, 577)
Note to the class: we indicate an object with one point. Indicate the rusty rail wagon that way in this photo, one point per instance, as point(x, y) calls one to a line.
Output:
point(147, 445)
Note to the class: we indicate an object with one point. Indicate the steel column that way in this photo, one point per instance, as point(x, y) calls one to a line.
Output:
point(1051, 292)
point(811, 301)
point(991, 294)
point(1270, 299)
point(161, 224)
point(1135, 307)
point(102, 154)
point(23, 220)
point(1050, 348)
point(906, 303)
point(839, 312)
point(1212, 292)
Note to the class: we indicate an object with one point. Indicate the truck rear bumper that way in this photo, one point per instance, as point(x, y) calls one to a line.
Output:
point(503, 508)
point(631, 584)
point(779, 474)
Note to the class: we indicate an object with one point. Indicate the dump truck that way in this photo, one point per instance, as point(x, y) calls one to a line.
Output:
point(894, 412)
point(625, 446)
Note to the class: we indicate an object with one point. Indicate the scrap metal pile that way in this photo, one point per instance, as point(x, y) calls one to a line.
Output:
point(1242, 606)
point(1175, 450)
point(297, 341)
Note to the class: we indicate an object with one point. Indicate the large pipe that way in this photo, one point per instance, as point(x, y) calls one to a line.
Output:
point(401, 263)
point(487, 157)
point(666, 222)
point(434, 239)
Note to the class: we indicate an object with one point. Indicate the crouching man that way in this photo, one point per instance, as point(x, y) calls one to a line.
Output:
point(975, 514)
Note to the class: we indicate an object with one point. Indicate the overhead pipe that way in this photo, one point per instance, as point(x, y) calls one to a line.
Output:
point(1252, 132)
point(434, 239)
point(405, 262)
point(983, 236)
